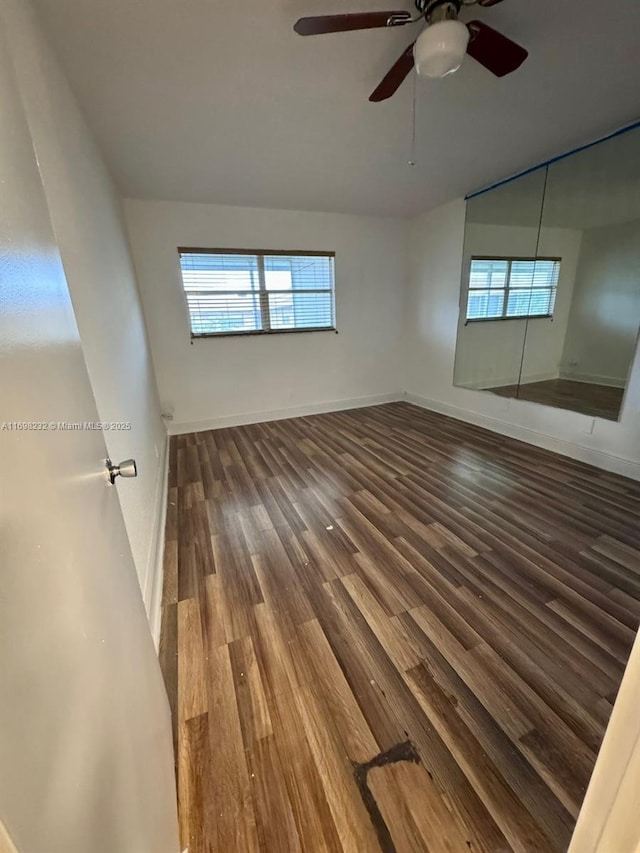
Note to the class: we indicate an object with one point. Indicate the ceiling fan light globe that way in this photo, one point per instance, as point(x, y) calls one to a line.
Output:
point(440, 48)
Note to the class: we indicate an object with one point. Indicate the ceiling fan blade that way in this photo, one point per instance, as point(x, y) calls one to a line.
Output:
point(358, 21)
point(496, 52)
point(394, 77)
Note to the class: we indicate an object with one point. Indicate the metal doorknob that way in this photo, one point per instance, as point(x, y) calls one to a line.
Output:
point(127, 468)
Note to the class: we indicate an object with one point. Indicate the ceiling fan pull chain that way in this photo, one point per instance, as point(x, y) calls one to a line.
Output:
point(412, 161)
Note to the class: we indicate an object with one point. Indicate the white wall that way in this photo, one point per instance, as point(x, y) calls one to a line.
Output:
point(435, 266)
point(602, 332)
point(86, 214)
point(489, 354)
point(214, 382)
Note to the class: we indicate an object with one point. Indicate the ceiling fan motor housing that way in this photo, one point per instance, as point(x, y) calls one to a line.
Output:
point(439, 10)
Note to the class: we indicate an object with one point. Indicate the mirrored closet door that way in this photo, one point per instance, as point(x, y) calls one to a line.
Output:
point(550, 296)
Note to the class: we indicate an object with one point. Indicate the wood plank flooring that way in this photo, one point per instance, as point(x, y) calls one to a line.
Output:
point(387, 630)
point(598, 401)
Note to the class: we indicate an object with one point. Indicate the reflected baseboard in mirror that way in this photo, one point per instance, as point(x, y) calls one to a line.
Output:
point(597, 401)
point(550, 292)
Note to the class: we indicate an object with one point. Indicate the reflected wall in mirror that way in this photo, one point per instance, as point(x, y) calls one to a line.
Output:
point(550, 309)
point(498, 249)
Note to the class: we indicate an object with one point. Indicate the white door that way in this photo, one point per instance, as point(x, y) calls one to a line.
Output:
point(86, 761)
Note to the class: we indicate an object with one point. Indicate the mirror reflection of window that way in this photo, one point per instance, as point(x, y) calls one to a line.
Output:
point(509, 288)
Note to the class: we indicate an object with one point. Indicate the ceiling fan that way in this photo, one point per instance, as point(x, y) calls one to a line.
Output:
point(440, 47)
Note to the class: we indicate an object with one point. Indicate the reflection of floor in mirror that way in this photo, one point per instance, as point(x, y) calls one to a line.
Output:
point(600, 401)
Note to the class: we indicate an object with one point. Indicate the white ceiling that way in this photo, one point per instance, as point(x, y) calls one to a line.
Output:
point(220, 101)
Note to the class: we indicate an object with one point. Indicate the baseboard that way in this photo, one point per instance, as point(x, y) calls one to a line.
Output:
point(501, 382)
point(488, 384)
point(593, 379)
point(540, 377)
point(598, 458)
point(154, 581)
point(281, 414)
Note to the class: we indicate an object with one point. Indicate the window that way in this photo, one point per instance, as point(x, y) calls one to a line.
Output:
point(507, 288)
point(233, 292)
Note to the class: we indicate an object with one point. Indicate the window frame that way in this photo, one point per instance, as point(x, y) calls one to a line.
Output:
point(262, 292)
point(505, 304)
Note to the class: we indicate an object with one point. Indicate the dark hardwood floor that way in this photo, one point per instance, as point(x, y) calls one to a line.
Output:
point(384, 629)
point(598, 401)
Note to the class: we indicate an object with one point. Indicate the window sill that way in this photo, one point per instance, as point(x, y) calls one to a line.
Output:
point(195, 337)
point(502, 319)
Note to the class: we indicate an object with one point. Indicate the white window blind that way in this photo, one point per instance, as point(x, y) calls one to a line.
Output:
point(506, 288)
point(231, 292)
